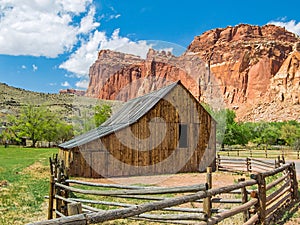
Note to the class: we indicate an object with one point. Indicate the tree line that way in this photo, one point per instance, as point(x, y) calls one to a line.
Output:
point(230, 132)
point(38, 123)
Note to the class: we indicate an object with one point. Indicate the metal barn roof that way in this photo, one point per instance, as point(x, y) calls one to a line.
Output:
point(129, 113)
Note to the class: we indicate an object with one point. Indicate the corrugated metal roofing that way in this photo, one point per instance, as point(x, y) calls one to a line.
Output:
point(130, 113)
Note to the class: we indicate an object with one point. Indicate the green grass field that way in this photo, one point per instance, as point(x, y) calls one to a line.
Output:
point(24, 180)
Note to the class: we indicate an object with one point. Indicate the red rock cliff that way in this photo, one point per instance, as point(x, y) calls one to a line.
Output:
point(250, 66)
point(107, 64)
point(136, 77)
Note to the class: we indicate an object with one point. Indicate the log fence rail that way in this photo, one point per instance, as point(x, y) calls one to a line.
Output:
point(271, 186)
point(250, 165)
point(260, 153)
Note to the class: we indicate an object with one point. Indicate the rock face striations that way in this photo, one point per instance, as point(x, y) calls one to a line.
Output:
point(107, 64)
point(118, 76)
point(255, 70)
point(246, 60)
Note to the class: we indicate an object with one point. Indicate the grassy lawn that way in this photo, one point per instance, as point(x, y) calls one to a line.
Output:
point(24, 180)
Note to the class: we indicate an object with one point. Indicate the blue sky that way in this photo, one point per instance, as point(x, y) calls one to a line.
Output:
point(48, 45)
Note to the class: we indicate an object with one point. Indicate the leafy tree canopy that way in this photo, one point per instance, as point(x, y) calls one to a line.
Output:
point(229, 132)
point(37, 123)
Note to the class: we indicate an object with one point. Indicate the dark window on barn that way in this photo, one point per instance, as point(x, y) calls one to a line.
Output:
point(183, 137)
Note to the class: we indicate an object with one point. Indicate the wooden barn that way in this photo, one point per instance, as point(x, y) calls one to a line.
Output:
point(165, 131)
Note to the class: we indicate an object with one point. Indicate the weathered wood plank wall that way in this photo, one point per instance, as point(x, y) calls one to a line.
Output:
point(150, 150)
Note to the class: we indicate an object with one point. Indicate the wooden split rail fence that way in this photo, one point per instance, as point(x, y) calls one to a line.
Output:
point(76, 202)
point(251, 165)
point(261, 153)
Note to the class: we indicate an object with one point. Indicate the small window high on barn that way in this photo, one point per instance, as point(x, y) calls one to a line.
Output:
point(183, 136)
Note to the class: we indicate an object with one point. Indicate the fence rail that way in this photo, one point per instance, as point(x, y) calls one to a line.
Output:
point(77, 202)
point(247, 164)
point(261, 153)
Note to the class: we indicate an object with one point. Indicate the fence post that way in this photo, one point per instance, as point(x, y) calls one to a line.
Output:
point(218, 161)
point(207, 201)
point(51, 166)
point(261, 182)
point(64, 193)
point(251, 154)
point(278, 161)
point(266, 153)
point(74, 208)
point(294, 184)
point(246, 214)
point(248, 164)
point(254, 194)
point(51, 197)
point(55, 165)
point(58, 190)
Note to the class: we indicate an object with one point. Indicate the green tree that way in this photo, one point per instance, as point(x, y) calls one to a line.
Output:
point(221, 118)
point(64, 132)
point(250, 128)
point(102, 113)
point(83, 122)
point(50, 131)
point(290, 133)
point(296, 144)
point(267, 133)
point(32, 122)
point(229, 132)
point(235, 133)
point(89, 119)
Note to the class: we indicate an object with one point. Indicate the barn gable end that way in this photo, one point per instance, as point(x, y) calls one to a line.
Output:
point(166, 131)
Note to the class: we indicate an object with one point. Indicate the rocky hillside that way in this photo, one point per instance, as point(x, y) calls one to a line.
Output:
point(251, 69)
point(12, 99)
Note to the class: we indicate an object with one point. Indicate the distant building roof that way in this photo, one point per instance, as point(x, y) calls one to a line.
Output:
point(129, 113)
point(73, 92)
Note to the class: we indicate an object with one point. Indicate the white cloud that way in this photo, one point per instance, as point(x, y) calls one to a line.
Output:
point(291, 26)
point(34, 67)
point(52, 84)
point(87, 23)
point(70, 75)
point(23, 67)
point(65, 84)
point(82, 84)
point(75, 6)
point(42, 27)
point(80, 61)
point(53, 27)
point(111, 17)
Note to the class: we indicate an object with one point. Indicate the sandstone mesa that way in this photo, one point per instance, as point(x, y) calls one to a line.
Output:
point(251, 69)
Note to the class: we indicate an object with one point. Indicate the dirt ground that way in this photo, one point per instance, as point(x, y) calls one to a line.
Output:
point(218, 179)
